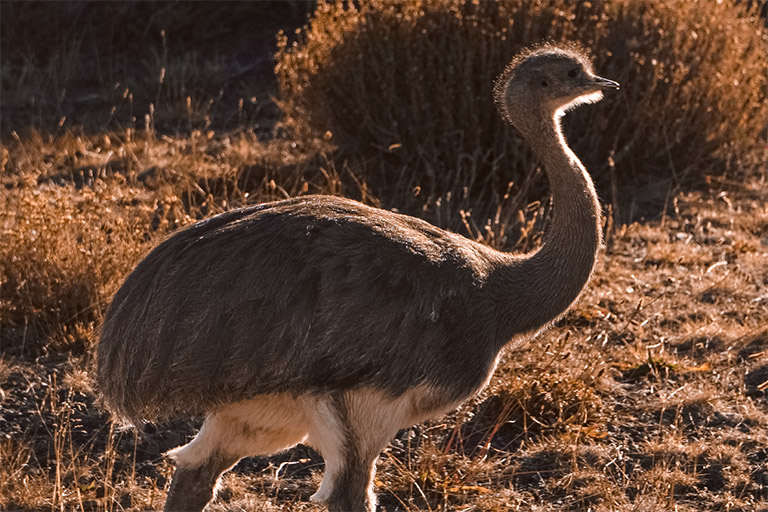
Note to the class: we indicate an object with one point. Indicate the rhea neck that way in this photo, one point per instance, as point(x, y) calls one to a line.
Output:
point(532, 291)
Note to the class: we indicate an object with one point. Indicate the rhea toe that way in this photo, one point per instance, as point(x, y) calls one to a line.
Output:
point(323, 321)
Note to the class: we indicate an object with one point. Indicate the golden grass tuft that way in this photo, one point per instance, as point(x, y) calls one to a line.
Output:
point(64, 253)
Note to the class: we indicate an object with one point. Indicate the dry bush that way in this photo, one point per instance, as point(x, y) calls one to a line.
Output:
point(64, 251)
point(408, 85)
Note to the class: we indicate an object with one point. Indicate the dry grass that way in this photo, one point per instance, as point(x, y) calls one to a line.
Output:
point(649, 395)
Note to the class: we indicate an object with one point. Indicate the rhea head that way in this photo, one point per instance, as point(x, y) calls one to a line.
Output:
point(547, 81)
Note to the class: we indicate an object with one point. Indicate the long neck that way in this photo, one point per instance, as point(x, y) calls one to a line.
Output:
point(533, 291)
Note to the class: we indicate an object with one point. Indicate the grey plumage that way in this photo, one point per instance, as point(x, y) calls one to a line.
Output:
point(313, 294)
point(327, 298)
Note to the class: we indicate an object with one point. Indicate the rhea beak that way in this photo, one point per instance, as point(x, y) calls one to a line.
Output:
point(604, 83)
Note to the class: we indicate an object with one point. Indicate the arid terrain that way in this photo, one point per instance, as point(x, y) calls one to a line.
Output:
point(123, 122)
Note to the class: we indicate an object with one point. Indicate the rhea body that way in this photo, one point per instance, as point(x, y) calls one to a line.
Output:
point(324, 321)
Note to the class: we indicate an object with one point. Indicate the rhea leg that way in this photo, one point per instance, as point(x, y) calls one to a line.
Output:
point(350, 430)
point(199, 465)
point(260, 426)
point(193, 488)
point(353, 484)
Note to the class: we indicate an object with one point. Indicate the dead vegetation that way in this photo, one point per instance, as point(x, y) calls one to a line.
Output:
point(649, 395)
point(405, 87)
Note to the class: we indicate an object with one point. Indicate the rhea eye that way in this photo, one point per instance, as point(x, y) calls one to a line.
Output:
point(544, 83)
point(573, 73)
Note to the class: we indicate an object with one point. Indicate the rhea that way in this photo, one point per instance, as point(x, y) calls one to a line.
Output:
point(323, 321)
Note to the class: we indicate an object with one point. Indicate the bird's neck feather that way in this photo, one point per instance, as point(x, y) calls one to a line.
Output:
point(532, 291)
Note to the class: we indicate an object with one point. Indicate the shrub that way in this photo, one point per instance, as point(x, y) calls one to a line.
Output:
point(407, 86)
point(64, 252)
